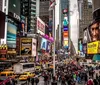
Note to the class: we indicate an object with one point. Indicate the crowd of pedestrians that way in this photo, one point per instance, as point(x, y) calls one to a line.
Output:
point(70, 74)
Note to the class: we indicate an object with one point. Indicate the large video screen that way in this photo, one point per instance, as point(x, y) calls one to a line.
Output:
point(11, 35)
point(94, 31)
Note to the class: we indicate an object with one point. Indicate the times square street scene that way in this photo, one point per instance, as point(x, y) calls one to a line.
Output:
point(49, 42)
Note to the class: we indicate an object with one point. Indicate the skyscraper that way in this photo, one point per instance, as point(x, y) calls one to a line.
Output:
point(1, 5)
point(85, 12)
point(44, 10)
point(28, 9)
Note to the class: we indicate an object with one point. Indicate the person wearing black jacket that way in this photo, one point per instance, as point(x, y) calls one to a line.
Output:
point(32, 80)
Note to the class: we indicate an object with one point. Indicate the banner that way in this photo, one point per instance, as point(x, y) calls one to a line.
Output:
point(26, 46)
point(43, 44)
point(34, 43)
point(93, 47)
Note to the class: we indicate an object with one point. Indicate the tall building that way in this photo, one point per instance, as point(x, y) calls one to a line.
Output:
point(85, 12)
point(63, 5)
point(44, 13)
point(44, 10)
point(28, 9)
point(74, 26)
point(96, 4)
point(1, 2)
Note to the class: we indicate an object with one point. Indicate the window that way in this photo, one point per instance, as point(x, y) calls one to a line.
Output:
point(5, 10)
point(28, 66)
point(5, 2)
point(3, 75)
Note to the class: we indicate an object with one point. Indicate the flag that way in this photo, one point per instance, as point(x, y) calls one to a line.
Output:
point(52, 4)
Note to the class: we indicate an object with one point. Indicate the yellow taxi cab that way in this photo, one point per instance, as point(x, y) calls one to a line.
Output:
point(25, 75)
point(8, 74)
point(38, 67)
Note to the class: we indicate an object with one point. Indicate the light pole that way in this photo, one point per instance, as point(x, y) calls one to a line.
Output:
point(54, 41)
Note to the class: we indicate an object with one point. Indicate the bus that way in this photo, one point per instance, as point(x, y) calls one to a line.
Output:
point(20, 68)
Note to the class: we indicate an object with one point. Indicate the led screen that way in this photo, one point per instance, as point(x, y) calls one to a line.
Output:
point(11, 35)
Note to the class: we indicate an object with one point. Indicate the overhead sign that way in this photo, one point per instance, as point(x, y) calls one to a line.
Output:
point(93, 47)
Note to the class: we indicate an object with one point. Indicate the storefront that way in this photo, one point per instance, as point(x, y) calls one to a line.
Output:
point(3, 52)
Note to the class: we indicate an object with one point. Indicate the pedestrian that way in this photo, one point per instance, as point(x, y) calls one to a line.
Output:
point(36, 80)
point(85, 77)
point(28, 80)
point(32, 80)
point(95, 81)
point(46, 79)
point(54, 81)
point(90, 81)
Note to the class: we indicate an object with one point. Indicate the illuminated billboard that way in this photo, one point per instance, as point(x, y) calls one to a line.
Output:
point(94, 31)
point(11, 35)
point(93, 47)
point(65, 32)
point(40, 26)
point(44, 44)
point(26, 46)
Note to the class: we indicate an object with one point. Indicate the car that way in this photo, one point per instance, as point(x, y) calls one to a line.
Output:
point(8, 74)
point(25, 76)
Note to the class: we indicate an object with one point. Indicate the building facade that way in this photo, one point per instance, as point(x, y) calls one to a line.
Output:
point(44, 10)
point(28, 9)
point(85, 12)
point(96, 4)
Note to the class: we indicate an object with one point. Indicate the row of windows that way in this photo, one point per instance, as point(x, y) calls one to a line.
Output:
point(28, 66)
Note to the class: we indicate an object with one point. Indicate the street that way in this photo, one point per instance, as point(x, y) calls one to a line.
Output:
point(41, 82)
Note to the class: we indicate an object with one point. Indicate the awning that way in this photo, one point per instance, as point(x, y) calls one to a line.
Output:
point(96, 57)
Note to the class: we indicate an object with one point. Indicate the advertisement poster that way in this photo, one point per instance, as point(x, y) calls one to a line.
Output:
point(11, 35)
point(94, 31)
point(40, 26)
point(26, 46)
point(43, 44)
point(93, 47)
point(34, 47)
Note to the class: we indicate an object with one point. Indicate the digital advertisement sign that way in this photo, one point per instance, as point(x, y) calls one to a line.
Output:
point(43, 44)
point(93, 47)
point(65, 32)
point(11, 35)
point(26, 46)
point(94, 31)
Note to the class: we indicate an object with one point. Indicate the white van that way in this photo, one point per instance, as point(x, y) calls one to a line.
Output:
point(23, 67)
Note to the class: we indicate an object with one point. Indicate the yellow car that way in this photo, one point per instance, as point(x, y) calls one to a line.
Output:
point(25, 75)
point(29, 74)
point(8, 74)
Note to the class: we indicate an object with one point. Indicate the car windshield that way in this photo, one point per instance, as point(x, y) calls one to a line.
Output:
point(3, 75)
